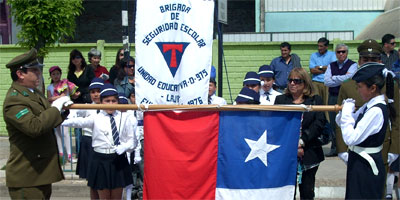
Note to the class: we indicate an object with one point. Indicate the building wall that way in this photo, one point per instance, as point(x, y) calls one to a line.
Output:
point(319, 21)
point(240, 58)
point(318, 15)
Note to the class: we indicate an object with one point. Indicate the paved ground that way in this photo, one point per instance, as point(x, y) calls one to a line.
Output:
point(330, 181)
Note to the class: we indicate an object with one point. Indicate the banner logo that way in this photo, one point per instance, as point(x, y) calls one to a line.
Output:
point(172, 52)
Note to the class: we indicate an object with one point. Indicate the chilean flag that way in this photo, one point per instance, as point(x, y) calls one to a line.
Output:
point(220, 155)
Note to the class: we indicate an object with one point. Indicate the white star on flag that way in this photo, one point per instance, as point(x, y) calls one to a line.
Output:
point(260, 148)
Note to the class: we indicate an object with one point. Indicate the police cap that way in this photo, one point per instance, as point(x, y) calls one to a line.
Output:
point(370, 48)
point(26, 60)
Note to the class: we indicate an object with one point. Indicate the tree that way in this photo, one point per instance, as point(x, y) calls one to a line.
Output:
point(44, 22)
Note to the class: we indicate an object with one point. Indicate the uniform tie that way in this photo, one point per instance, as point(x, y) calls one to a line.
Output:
point(209, 100)
point(267, 94)
point(114, 130)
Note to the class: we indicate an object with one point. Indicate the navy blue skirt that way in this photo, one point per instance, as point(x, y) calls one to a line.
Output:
point(361, 183)
point(109, 171)
point(84, 157)
point(395, 165)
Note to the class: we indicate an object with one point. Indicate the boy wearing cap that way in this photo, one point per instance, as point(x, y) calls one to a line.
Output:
point(252, 81)
point(212, 98)
point(267, 93)
point(247, 96)
point(33, 164)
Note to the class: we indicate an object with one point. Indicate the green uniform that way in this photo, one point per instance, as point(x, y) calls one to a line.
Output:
point(391, 143)
point(30, 123)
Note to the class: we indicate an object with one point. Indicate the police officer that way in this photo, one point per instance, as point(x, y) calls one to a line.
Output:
point(370, 51)
point(33, 164)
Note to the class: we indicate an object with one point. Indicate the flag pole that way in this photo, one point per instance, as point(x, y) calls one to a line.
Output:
point(152, 107)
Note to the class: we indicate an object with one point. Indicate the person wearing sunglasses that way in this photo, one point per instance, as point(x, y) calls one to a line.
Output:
point(336, 73)
point(389, 56)
point(309, 155)
point(125, 81)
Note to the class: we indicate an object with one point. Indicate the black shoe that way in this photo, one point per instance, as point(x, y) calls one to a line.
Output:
point(332, 153)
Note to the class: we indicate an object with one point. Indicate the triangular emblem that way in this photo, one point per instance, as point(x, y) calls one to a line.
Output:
point(172, 52)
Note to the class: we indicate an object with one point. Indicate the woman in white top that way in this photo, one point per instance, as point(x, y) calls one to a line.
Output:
point(113, 135)
point(364, 132)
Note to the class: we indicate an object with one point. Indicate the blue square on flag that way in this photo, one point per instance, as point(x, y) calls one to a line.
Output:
point(257, 155)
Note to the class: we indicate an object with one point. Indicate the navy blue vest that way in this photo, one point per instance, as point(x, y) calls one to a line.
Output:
point(377, 139)
point(335, 71)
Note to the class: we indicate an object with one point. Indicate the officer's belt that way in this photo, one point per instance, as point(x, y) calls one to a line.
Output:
point(364, 152)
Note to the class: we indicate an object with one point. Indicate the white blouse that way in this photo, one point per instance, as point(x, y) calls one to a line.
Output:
point(102, 134)
point(370, 124)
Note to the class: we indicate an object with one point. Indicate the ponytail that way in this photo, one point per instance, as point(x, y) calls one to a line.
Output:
point(390, 96)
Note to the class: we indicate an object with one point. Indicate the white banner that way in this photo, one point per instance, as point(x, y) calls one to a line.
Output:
point(173, 45)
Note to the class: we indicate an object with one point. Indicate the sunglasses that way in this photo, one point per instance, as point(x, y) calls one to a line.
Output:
point(77, 57)
point(131, 66)
point(339, 52)
point(121, 54)
point(295, 81)
point(392, 43)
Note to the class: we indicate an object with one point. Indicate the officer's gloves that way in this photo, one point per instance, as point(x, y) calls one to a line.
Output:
point(62, 102)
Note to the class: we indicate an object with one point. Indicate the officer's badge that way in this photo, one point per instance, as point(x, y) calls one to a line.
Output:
point(22, 113)
point(25, 93)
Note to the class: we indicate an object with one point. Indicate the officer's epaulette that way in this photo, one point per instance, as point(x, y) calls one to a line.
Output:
point(25, 93)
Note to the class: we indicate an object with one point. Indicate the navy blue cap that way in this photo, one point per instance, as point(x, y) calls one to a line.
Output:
point(247, 94)
point(97, 83)
point(122, 99)
point(367, 71)
point(108, 90)
point(251, 78)
point(266, 71)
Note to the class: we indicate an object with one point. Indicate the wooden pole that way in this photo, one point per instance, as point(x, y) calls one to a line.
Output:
point(299, 108)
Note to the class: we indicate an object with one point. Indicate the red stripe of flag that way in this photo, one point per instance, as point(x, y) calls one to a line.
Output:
point(181, 152)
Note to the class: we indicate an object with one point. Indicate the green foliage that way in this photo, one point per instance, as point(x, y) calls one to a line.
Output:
point(45, 22)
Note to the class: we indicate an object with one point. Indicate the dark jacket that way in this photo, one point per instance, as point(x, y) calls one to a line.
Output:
point(83, 83)
point(30, 122)
point(312, 125)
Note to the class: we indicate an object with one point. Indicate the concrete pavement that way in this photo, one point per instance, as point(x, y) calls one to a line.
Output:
point(330, 180)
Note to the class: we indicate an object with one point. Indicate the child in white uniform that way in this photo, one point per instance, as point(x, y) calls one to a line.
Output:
point(212, 98)
point(113, 136)
point(267, 77)
point(364, 132)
